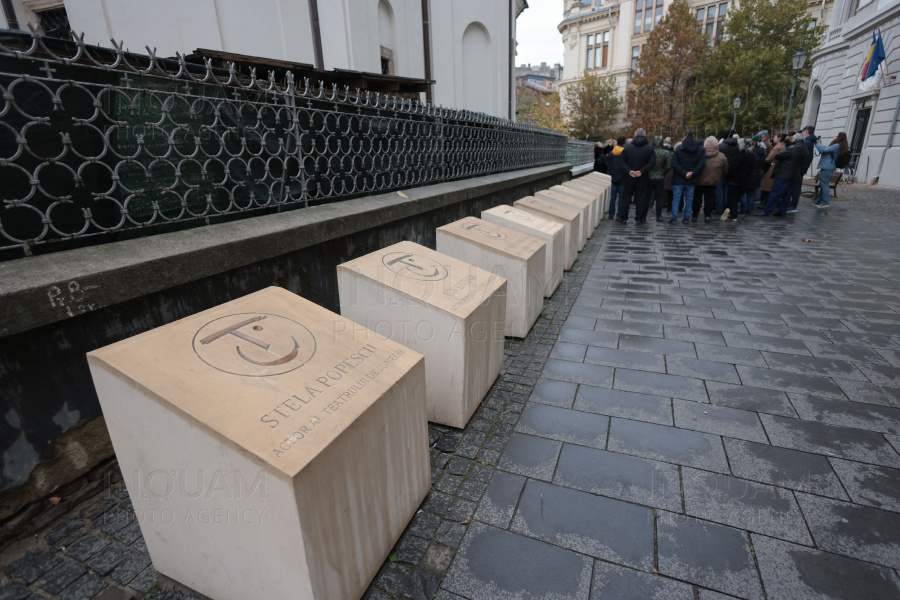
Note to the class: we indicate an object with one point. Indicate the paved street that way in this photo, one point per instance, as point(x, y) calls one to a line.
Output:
point(705, 411)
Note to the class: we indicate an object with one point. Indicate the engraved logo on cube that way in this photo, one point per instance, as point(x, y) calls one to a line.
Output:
point(483, 231)
point(518, 214)
point(254, 344)
point(415, 266)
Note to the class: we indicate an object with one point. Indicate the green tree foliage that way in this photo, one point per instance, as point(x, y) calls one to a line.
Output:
point(662, 88)
point(754, 62)
point(592, 105)
point(539, 109)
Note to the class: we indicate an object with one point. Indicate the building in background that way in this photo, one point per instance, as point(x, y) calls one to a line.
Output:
point(469, 53)
point(543, 76)
point(606, 36)
point(839, 100)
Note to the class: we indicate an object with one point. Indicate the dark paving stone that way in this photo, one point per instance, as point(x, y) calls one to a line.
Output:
point(785, 381)
point(805, 322)
point(589, 338)
point(137, 562)
point(702, 369)
point(719, 323)
point(882, 374)
point(595, 312)
point(436, 560)
point(530, 456)
point(791, 469)
point(656, 318)
point(619, 476)
point(471, 490)
point(766, 307)
point(629, 328)
point(734, 356)
point(59, 578)
point(771, 344)
point(627, 405)
point(499, 502)
point(564, 425)
point(566, 351)
point(708, 554)
point(107, 559)
point(800, 573)
point(826, 367)
point(718, 420)
point(786, 332)
point(819, 438)
point(709, 302)
point(563, 370)
point(450, 534)
point(845, 413)
point(409, 583)
point(13, 590)
point(613, 581)
point(629, 359)
point(30, 568)
point(448, 442)
point(869, 484)
point(600, 527)
point(870, 393)
point(852, 530)
point(657, 346)
point(554, 393)
point(690, 334)
point(492, 564)
point(687, 310)
point(85, 588)
point(128, 535)
point(460, 510)
point(654, 384)
point(424, 525)
point(744, 504)
point(750, 398)
point(63, 531)
point(868, 340)
point(580, 323)
point(144, 580)
point(667, 444)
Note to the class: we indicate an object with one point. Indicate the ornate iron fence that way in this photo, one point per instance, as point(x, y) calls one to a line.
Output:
point(579, 152)
point(97, 141)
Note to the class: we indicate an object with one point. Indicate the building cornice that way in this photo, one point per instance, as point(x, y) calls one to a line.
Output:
point(602, 13)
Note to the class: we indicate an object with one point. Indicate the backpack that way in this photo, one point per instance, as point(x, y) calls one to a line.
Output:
point(843, 160)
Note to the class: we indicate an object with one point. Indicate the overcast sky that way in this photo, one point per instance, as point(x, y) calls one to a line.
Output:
point(539, 39)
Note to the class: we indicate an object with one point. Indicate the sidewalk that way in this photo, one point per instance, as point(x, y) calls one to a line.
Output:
point(705, 411)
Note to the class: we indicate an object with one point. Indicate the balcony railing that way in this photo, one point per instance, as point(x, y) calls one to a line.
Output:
point(101, 143)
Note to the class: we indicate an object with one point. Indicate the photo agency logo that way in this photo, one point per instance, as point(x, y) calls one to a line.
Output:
point(254, 344)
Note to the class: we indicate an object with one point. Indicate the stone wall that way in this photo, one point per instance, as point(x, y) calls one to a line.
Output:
point(57, 307)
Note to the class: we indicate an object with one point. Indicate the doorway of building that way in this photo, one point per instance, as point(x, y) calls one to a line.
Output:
point(859, 135)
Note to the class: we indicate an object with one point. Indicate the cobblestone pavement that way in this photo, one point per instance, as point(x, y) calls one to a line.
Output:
point(703, 411)
point(882, 202)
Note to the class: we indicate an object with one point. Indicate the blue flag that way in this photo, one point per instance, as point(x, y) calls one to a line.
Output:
point(878, 55)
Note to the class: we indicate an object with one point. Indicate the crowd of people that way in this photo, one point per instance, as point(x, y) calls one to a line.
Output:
point(720, 177)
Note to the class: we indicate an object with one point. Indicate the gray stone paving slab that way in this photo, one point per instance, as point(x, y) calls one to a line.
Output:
point(830, 440)
point(629, 359)
point(869, 484)
point(613, 581)
point(567, 351)
point(689, 334)
point(629, 328)
point(595, 312)
point(580, 323)
point(500, 499)
point(785, 381)
point(769, 343)
point(492, 563)
point(600, 527)
point(869, 340)
point(702, 369)
point(744, 504)
point(530, 456)
point(554, 393)
point(654, 384)
point(882, 374)
point(627, 405)
point(846, 413)
point(589, 338)
point(686, 309)
point(852, 530)
point(785, 332)
point(667, 444)
point(733, 356)
point(615, 475)
point(654, 317)
point(563, 370)
point(718, 420)
point(801, 471)
point(750, 398)
point(707, 554)
point(657, 346)
point(800, 573)
point(871, 393)
point(809, 365)
point(564, 425)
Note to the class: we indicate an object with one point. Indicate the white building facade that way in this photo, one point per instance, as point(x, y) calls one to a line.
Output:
point(839, 101)
point(470, 51)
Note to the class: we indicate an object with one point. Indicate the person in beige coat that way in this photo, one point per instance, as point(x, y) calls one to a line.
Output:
point(716, 166)
point(766, 186)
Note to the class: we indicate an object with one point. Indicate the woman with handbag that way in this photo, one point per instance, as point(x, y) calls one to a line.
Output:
point(834, 156)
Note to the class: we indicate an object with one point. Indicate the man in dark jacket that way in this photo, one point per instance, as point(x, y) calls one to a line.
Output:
point(728, 147)
point(617, 169)
point(788, 163)
point(687, 162)
point(658, 175)
point(639, 159)
point(809, 142)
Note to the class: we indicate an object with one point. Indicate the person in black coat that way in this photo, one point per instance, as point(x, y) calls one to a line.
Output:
point(756, 176)
point(687, 162)
point(729, 147)
point(788, 163)
point(601, 151)
point(639, 159)
point(740, 170)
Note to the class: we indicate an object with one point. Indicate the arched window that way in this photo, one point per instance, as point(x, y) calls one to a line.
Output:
point(815, 101)
point(386, 37)
point(478, 86)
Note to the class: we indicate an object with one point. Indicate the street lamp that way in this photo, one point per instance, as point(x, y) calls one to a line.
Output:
point(737, 105)
point(797, 62)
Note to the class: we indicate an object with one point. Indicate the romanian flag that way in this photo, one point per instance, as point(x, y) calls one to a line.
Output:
point(874, 58)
